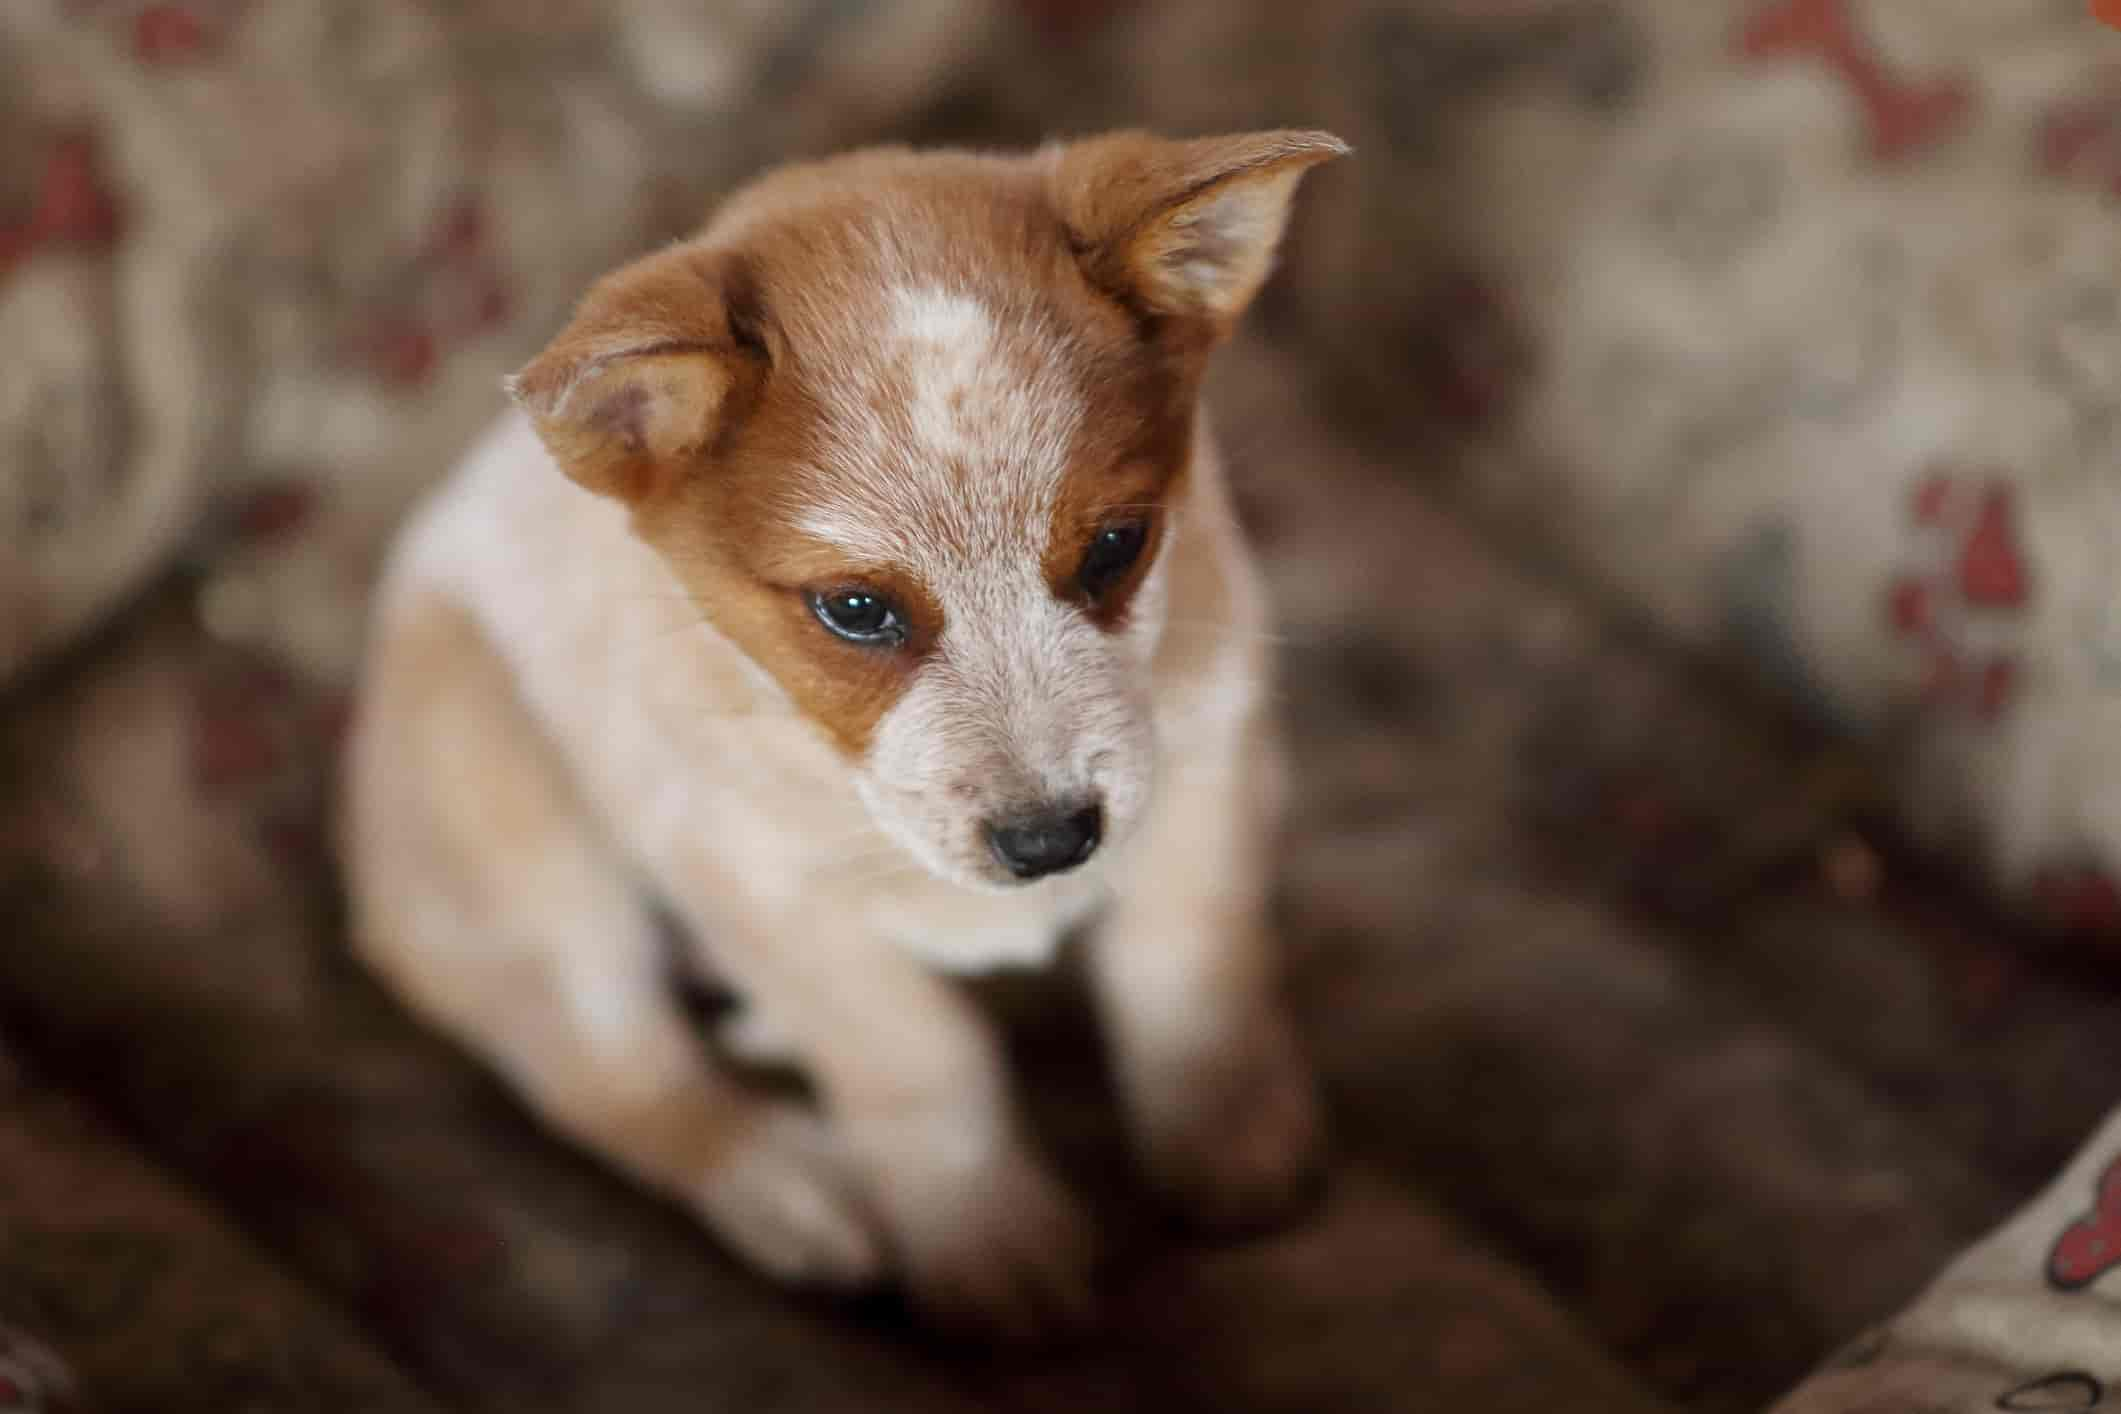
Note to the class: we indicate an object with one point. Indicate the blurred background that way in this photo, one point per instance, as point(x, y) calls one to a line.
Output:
point(1682, 441)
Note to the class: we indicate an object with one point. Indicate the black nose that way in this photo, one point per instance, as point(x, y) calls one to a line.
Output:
point(1047, 841)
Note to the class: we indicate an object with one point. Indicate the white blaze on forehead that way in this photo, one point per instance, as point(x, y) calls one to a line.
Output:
point(948, 341)
point(975, 456)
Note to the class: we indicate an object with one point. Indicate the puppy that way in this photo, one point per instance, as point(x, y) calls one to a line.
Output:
point(857, 584)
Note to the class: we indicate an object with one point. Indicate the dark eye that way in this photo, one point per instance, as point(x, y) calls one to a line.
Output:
point(859, 616)
point(1110, 556)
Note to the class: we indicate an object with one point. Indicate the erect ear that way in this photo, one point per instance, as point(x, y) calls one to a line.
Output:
point(1185, 228)
point(660, 358)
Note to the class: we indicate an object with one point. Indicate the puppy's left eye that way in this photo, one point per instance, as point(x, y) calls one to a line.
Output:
point(1111, 554)
point(860, 616)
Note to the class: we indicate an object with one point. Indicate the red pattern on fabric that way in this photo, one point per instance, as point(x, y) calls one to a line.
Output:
point(2082, 900)
point(1933, 496)
point(238, 728)
point(171, 34)
point(2080, 138)
point(1903, 115)
point(274, 512)
point(1473, 353)
point(1911, 608)
point(229, 749)
point(1941, 678)
point(458, 292)
point(73, 205)
point(2091, 1246)
point(1991, 568)
point(1985, 574)
point(493, 308)
point(398, 353)
point(1995, 687)
point(74, 202)
point(459, 235)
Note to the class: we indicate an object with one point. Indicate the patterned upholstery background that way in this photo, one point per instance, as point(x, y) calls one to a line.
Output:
point(1644, 340)
point(1796, 325)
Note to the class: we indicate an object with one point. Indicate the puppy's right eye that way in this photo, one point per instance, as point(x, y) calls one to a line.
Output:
point(859, 616)
point(1111, 554)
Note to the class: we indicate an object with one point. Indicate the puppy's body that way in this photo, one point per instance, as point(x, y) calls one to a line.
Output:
point(613, 661)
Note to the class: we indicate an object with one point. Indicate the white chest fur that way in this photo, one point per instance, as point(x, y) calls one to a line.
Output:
point(961, 932)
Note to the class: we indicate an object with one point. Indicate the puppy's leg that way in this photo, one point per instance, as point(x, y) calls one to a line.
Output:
point(486, 896)
point(1218, 1094)
point(915, 1083)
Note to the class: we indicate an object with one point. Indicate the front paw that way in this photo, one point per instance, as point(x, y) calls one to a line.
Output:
point(1000, 1251)
point(786, 1198)
point(1234, 1138)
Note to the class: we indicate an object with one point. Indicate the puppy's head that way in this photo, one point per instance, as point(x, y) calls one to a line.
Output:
point(911, 428)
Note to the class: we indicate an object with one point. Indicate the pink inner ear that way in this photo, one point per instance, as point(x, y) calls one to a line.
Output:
point(1211, 254)
point(1212, 239)
point(621, 413)
point(629, 425)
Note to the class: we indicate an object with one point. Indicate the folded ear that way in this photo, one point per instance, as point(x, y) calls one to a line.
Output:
point(658, 361)
point(1184, 228)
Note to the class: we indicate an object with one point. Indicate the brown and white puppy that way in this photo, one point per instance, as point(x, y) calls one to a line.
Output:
point(859, 584)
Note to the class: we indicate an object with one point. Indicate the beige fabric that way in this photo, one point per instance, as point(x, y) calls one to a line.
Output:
point(1794, 322)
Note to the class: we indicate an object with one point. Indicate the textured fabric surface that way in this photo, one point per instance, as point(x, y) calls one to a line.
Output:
point(2026, 1320)
point(1642, 336)
point(1793, 322)
point(156, 1304)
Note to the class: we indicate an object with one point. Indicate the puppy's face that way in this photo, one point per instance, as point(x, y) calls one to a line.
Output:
point(911, 429)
